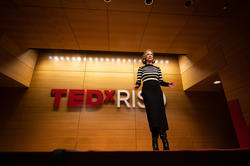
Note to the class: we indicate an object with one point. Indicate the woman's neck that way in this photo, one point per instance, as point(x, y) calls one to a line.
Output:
point(149, 63)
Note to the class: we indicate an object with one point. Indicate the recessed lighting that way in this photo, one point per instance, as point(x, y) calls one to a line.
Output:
point(134, 60)
point(107, 1)
point(124, 60)
point(62, 58)
point(113, 60)
point(84, 58)
point(166, 61)
point(129, 60)
point(188, 3)
point(101, 59)
point(50, 57)
point(90, 59)
point(56, 58)
point(225, 6)
point(149, 2)
point(79, 59)
point(107, 59)
point(217, 82)
point(67, 58)
point(118, 59)
point(96, 59)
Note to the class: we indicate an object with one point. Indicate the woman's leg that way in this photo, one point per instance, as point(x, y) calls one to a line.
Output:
point(163, 136)
point(155, 135)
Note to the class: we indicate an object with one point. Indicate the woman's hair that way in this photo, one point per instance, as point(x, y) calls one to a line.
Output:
point(144, 57)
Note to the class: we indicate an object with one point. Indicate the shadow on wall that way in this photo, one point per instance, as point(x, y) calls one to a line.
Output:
point(9, 100)
point(210, 111)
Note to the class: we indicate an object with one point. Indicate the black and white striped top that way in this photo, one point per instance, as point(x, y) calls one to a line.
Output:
point(150, 72)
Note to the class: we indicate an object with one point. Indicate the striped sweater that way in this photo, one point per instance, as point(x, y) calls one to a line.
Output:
point(150, 72)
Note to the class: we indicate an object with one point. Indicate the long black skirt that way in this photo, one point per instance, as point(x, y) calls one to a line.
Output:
point(154, 104)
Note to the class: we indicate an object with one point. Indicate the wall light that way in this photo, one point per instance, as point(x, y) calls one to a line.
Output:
point(56, 58)
point(217, 82)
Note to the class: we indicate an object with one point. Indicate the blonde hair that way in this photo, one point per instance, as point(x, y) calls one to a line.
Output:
point(144, 56)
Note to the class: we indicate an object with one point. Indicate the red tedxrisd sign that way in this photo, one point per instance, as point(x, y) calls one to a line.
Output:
point(76, 96)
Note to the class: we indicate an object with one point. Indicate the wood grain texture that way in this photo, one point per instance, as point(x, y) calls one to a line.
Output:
point(33, 124)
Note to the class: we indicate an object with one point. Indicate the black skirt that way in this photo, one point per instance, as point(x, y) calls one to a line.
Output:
point(154, 104)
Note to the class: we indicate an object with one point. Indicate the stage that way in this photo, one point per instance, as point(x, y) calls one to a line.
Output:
point(127, 158)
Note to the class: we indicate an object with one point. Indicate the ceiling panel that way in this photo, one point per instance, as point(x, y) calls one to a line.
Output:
point(90, 28)
point(172, 7)
point(129, 5)
point(126, 30)
point(121, 25)
point(42, 3)
point(161, 31)
point(197, 31)
point(75, 4)
point(212, 8)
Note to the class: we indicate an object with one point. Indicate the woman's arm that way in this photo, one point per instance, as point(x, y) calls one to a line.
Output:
point(139, 74)
point(162, 83)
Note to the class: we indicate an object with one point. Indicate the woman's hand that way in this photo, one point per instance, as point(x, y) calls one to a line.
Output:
point(136, 87)
point(171, 85)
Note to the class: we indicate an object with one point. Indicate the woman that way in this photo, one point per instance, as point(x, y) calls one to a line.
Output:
point(153, 98)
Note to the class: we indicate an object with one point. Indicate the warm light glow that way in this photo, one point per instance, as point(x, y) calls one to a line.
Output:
point(161, 61)
point(79, 59)
point(139, 61)
point(217, 82)
point(56, 58)
point(84, 58)
point(96, 59)
point(118, 59)
point(101, 59)
point(134, 60)
point(73, 58)
point(156, 61)
point(62, 58)
point(50, 57)
point(129, 60)
point(166, 61)
point(123, 60)
point(107, 59)
point(90, 59)
point(113, 59)
point(67, 58)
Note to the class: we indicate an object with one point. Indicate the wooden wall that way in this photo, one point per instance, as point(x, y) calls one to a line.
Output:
point(16, 64)
point(226, 53)
point(30, 123)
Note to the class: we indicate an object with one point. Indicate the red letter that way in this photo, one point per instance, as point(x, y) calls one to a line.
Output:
point(75, 98)
point(58, 93)
point(109, 95)
point(89, 101)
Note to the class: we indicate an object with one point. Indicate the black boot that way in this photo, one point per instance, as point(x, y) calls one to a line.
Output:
point(155, 141)
point(163, 136)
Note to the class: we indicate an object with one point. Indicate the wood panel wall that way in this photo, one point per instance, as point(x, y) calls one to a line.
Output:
point(226, 53)
point(30, 123)
point(16, 64)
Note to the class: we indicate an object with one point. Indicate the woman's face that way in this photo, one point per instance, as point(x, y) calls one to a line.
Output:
point(149, 56)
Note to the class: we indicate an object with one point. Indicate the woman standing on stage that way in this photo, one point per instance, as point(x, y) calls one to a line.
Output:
point(153, 98)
